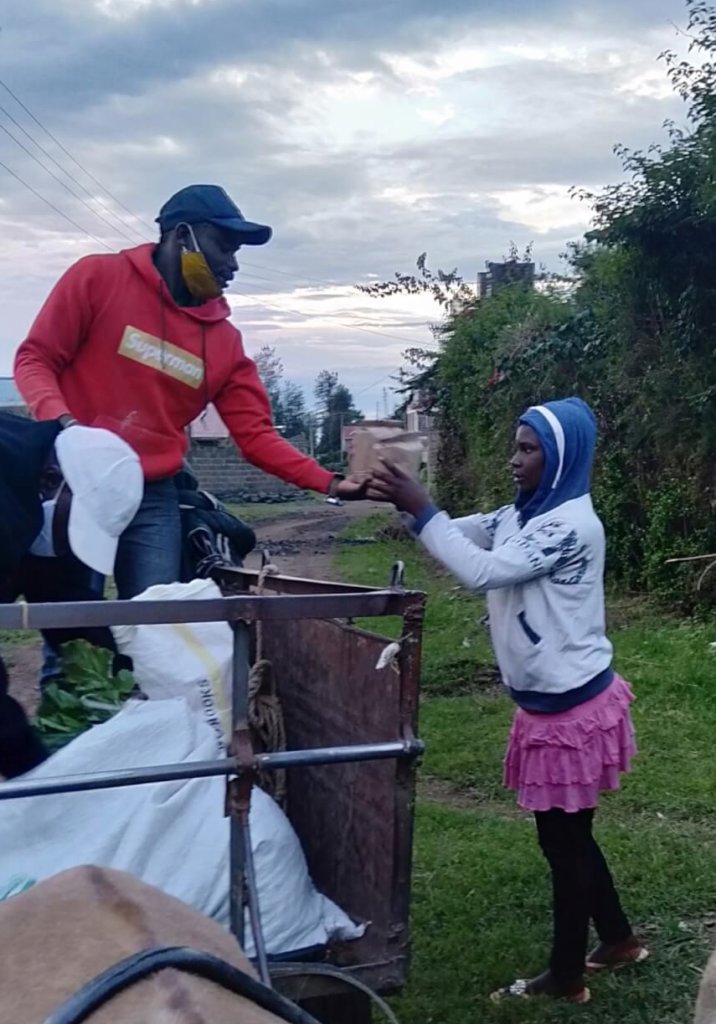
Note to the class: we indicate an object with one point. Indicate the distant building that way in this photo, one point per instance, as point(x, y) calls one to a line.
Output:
point(417, 419)
point(498, 275)
point(209, 426)
point(421, 418)
point(348, 430)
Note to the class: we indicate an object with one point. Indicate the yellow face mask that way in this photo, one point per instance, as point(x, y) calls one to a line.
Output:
point(198, 278)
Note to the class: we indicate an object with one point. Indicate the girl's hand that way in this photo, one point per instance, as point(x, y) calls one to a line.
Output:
point(391, 483)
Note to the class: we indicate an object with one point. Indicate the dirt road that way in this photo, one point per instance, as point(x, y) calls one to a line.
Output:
point(302, 541)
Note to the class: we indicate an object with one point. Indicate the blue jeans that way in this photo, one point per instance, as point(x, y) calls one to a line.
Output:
point(149, 550)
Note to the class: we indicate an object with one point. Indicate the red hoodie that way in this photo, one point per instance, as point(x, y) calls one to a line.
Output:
point(112, 348)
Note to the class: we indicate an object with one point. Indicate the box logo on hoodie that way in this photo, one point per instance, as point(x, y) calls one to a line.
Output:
point(162, 356)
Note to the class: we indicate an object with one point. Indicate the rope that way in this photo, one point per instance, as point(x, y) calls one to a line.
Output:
point(266, 718)
point(267, 570)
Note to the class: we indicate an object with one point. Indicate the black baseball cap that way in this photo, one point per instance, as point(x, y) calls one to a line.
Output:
point(200, 204)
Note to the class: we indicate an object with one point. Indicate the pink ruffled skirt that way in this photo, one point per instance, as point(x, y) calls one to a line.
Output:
point(566, 759)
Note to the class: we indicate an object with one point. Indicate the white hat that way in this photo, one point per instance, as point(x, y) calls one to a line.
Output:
point(107, 484)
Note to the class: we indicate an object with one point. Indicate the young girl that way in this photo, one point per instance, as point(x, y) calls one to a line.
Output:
point(541, 562)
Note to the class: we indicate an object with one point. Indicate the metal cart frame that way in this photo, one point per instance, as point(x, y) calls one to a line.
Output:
point(299, 616)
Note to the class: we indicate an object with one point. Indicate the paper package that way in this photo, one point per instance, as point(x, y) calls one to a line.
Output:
point(371, 444)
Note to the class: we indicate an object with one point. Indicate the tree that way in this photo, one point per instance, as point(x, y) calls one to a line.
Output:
point(287, 400)
point(325, 386)
point(456, 300)
point(449, 291)
point(336, 410)
point(446, 288)
point(634, 336)
point(294, 410)
point(270, 368)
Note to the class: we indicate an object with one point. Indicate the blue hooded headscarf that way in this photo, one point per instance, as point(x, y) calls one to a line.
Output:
point(567, 432)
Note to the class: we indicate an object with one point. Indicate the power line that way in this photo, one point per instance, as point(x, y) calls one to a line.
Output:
point(309, 316)
point(52, 206)
point(270, 305)
point(64, 185)
point(100, 241)
point(387, 376)
point(72, 177)
point(79, 227)
point(284, 273)
point(134, 216)
point(320, 409)
point(74, 160)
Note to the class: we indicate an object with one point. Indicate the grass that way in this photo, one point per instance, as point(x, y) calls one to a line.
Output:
point(457, 662)
point(16, 636)
point(481, 896)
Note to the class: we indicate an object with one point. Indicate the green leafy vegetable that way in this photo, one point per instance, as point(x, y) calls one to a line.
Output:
point(87, 694)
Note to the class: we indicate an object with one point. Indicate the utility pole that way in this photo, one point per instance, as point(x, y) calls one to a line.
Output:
point(311, 435)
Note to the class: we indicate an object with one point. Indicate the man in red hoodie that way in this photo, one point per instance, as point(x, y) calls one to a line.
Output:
point(139, 342)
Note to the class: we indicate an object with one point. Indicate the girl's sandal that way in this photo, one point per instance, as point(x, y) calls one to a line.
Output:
point(543, 985)
point(613, 958)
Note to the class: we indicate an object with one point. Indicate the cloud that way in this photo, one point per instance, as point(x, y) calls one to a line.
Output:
point(541, 209)
point(365, 133)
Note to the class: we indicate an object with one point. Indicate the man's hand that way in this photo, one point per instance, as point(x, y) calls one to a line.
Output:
point(351, 489)
point(391, 483)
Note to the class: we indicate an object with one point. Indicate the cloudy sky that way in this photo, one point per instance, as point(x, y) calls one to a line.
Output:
point(364, 131)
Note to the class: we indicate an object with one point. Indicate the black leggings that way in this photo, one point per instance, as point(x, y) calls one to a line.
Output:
point(582, 890)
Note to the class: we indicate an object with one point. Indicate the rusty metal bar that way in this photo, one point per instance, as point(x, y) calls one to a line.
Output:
point(243, 891)
point(252, 893)
point(225, 609)
point(208, 769)
point(409, 664)
point(231, 578)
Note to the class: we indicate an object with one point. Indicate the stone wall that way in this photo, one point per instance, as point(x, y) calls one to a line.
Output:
point(222, 470)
